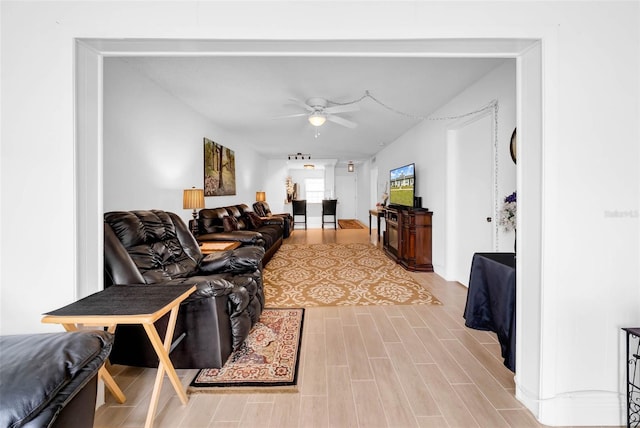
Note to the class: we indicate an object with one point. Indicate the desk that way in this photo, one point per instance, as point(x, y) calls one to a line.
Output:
point(491, 300)
point(131, 304)
point(378, 213)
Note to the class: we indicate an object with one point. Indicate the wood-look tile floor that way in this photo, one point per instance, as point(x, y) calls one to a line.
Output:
point(379, 366)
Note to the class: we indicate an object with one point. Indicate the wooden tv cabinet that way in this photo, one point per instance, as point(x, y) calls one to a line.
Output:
point(407, 239)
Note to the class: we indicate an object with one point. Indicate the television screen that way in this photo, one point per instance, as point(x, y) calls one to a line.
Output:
point(402, 185)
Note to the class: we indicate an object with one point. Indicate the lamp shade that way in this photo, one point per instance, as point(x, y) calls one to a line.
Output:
point(261, 196)
point(317, 119)
point(193, 198)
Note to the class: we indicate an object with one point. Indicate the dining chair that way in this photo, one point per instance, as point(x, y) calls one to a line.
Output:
point(300, 209)
point(329, 209)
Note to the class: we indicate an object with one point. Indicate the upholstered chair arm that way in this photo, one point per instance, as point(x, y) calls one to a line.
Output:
point(279, 221)
point(244, 236)
point(218, 261)
point(243, 259)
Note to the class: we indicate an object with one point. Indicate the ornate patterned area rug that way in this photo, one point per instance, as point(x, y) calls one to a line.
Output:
point(350, 224)
point(266, 362)
point(301, 275)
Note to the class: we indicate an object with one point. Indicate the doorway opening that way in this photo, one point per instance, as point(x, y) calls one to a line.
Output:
point(531, 68)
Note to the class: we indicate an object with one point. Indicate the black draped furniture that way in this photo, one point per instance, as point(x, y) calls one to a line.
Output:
point(239, 223)
point(155, 247)
point(51, 379)
point(264, 211)
point(491, 300)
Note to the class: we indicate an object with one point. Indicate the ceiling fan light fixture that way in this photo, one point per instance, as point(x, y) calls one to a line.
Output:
point(317, 119)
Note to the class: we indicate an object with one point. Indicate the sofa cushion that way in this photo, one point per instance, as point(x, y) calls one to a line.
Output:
point(230, 223)
point(210, 220)
point(262, 209)
point(253, 220)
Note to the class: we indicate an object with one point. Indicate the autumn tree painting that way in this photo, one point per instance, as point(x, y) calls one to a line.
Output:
point(219, 170)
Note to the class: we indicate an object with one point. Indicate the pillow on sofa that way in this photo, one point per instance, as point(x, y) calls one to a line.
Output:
point(253, 220)
point(230, 223)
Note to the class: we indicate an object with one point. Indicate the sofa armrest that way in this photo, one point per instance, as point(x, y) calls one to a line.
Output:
point(42, 373)
point(243, 259)
point(218, 261)
point(243, 236)
point(247, 259)
point(279, 221)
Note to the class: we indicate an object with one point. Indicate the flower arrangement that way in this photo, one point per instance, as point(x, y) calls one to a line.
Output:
point(290, 188)
point(508, 213)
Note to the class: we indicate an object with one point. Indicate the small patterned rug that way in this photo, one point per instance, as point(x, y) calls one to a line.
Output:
point(266, 362)
point(301, 275)
point(350, 224)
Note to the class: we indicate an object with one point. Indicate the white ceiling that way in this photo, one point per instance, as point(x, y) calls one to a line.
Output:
point(244, 95)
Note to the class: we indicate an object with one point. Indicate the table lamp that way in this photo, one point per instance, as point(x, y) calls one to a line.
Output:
point(261, 196)
point(193, 199)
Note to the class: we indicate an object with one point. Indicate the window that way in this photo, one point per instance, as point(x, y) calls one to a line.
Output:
point(314, 189)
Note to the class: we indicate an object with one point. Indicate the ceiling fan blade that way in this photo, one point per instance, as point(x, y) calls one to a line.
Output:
point(342, 121)
point(291, 115)
point(342, 109)
point(301, 104)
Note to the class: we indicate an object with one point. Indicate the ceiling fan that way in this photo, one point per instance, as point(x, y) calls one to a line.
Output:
point(317, 112)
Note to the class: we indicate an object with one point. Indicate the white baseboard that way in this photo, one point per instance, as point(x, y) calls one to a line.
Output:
point(584, 408)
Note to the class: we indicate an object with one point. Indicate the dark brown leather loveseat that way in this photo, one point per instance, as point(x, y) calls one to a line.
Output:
point(155, 247)
point(239, 223)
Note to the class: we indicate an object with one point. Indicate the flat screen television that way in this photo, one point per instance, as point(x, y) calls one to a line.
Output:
point(402, 185)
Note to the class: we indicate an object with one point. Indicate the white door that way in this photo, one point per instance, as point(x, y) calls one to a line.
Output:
point(346, 195)
point(471, 204)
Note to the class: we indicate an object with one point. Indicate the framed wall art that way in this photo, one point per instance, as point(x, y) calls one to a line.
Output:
point(219, 170)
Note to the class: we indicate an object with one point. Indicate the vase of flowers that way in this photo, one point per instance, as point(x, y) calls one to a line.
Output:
point(290, 188)
point(508, 215)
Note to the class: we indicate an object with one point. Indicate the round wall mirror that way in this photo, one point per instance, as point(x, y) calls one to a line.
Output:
point(512, 146)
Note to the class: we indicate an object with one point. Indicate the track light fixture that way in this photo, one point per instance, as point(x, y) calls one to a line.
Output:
point(301, 156)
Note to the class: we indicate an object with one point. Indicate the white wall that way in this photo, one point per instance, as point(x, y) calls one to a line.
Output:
point(426, 146)
point(153, 147)
point(590, 281)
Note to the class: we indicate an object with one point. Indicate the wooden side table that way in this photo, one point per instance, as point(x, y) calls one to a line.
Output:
point(213, 246)
point(131, 304)
point(378, 213)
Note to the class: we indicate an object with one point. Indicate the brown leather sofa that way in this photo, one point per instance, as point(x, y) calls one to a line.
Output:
point(264, 211)
point(155, 247)
point(239, 223)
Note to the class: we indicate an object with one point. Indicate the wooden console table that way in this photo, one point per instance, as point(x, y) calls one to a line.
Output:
point(131, 304)
point(378, 213)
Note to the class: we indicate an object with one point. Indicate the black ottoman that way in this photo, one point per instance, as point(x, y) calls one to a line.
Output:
point(50, 380)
